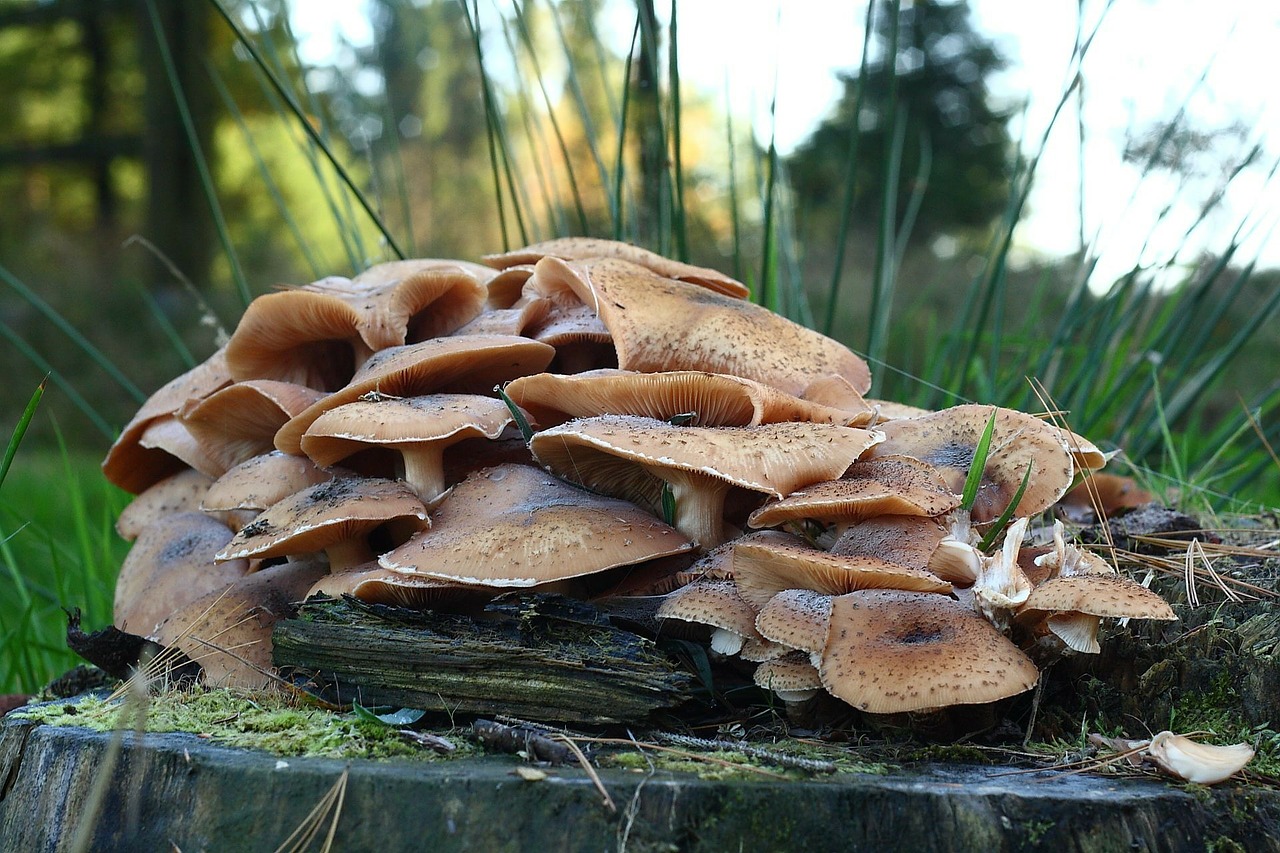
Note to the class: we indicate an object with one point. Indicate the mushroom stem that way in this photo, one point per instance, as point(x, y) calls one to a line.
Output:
point(699, 507)
point(348, 553)
point(424, 469)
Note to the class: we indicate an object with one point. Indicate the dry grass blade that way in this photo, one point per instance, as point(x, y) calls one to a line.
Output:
point(591, 772)
point(1178, 568)
point(307, 831)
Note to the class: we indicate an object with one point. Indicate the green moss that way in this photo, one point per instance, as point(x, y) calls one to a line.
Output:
point(270, 722)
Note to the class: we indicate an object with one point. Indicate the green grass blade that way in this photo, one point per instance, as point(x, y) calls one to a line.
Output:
point(1005, 517)
point(974, 478)
point(679, 225)
point(20, 429)
point(522, 423)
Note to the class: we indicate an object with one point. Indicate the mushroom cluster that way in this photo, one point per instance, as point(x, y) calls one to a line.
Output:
point(586, 417)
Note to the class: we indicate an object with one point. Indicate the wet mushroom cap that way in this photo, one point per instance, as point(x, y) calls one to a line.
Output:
point(949, 439)
point(660, 324)
point(517, 526)
point(889, 485)
point(763, 567)
point(889, 652)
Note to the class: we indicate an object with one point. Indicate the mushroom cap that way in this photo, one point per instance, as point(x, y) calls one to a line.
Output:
point(517, 526)
point(661, 324)
point(1109, 596)
point(888, 485)
point(889, 651)
point(402, 421)
point(417, 299)
point(798, 619)
point(240, 421)
point(180, 492)
point(1086, 455)
point(507, 287)
point(300, 336)
point(229, 632)
point(948, 440)
point(170, 435)
point(766, 565)
point(133, 467)
point(714, 603)
point(586, 248)
point(467, 364)
point(792, 677)
point(169, 565)
point(321, 516)
point(888, 410)
point(716, 399)
point(263, 481)
point(775, 459)
point(908, 540)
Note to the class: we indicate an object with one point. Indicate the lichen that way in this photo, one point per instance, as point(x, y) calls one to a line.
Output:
point(269, 722)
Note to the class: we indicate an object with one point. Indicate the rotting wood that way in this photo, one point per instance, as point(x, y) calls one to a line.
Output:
point(537, 657)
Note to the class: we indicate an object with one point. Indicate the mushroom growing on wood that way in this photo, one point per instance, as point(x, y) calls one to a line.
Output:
point(632, 457)
point(718, 604)
point(889, 651)
point(517, 526)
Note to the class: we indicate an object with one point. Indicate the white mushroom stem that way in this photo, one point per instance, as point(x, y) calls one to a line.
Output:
point(424, 468)
point(699, 506)
point(1002, 586)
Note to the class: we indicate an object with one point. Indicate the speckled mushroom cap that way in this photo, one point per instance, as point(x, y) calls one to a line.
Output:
point(770, 563)
point(792, 677)
point(1108, 596)
point(420, 428)
point(889, 485)
point(889, 652)
point(169, 565)
point(714, 603)
point(263, 481)
point(180, 492)
point(1086, 455)
point(908, 540)
point(229, 632)
point(586, 248)
point(413, 300)
point(714, 399)
point(471, 364)
point(517, 526)
point(662, 324)
point(333, 517)
point(798, 619)
point(240, 421)
point(632, 456)
point(133, 467)
point(948, 439)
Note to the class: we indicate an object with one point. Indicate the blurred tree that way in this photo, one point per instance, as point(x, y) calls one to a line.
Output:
point(925, 99)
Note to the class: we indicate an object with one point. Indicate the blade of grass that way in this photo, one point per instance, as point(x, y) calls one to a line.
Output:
point(20, 429)
point(980, 452)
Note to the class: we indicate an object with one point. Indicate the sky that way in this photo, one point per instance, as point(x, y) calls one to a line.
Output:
point(1148, 61)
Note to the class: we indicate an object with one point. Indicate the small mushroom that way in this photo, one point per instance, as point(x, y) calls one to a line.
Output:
point(1071, 607)
point(798, 619)
point(264, 481)
point(792, 677)
point(419, 429)
point(240, 421)
point(718, 604)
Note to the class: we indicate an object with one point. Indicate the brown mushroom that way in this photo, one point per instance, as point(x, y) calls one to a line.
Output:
point(1071, 607)
point(263, 481)
point(718, 604)
point(240, 421)
point(632, 457)
point(517, 526)
point(662, 324)
point(176, 493)
point(889, 651)
point(335, 517)
point(792, 677)
point(419, 429)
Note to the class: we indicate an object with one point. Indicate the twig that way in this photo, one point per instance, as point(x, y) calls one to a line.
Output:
point(591, 772)
point(808, 765)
